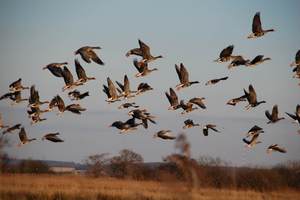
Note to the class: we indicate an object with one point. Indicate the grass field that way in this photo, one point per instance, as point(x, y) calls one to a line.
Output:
point(65, 187)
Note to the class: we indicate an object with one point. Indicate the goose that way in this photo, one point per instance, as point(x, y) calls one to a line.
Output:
point(273, 118)
point(275, 147)
point(207, 127)
point(143, 87)
point(173, 100)
point(87, 53)
point(251, 143)
point(23, 137)
point(251, 98)
point(76, 95)
point(128, 105)
point(187, 107)
point(82, 77)
point(237, 61)
point(297, 60)
point(125, 89)
point(36, 119)
point(34, 98)
point(183, 76)
point(143, 51)
point(11, 128)
point(295, 116)
point(189, 124)
point(142, 115)
point(214, 81)
point(110, 91)
point(53, 137)
point(257, 60)
point(17, 86)
point(257, 30)
point(69, 81)
point(58, 102)
point(1, 123)
point(234, 101)
point(225, 54)
point(142, 68)
point(127, 126)
point(254, 130)
point(55, 68)
point(165, 135)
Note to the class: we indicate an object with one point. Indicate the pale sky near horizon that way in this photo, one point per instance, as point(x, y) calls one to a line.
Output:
point(35, 33)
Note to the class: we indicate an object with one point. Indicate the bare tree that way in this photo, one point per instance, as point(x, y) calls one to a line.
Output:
point(96, 164)
point(127, 164)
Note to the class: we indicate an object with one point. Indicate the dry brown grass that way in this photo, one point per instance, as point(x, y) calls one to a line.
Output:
point(65, 187)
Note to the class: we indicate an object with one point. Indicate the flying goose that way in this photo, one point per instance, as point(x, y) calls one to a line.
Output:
point(254, 130)
point(76, 95)
point(189, 124)
point(297, 60)
point(11, 128)
point(35, 111)
point(87, 53)
point(58, 102)
point(187, 107)
point(34, 98)
point(251, 143)
point(234, 101)
point(165, 135)
point(127, 126)
point(214, 81)
point(257, 60)
point(36, 119)
point(237, 61)
point(257, 30)
point(55, 68)
point(275, 147)
point(23, 137)
point(17, 86)
point(143, 51)
point(173, 100)
point(295, 116)
point(82, 77)
point(274, 116)
point(183, 76)
point(125, 89)
point(69, 81)
point(251, 98)
point(143, 87)
point(128, 105)
point(53, 137)
point(142, 68)
point(142, 115)
point(75, 108)
point(225, 54)
point(110, 91)
point(1, 123)
point(207, 127)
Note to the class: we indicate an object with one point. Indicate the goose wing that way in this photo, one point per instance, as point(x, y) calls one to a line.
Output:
point(56, 71)
point(126, 84)
point(227, 51)
point(257, 59)
point(135, 51)
point(80, 70)
point(138, 65)
point(256, 24)
point(268, 115)
point(145, 50)
point(184, 73)
point(297, 57)
point(298, 110)
point(275, 112)
point(252, 94)
point(68, 77)
point(198, 102)
point(91, 53)
point(22, 135)
point(111, 88)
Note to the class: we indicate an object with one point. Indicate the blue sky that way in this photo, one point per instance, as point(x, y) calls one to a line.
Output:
point(36, 33)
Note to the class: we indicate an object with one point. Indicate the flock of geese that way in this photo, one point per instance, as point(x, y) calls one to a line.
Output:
point(142, 117)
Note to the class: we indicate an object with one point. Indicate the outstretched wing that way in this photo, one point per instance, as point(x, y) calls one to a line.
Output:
point(79, 70)
point(256, 24)
point(227, 51)
point(184, 74)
